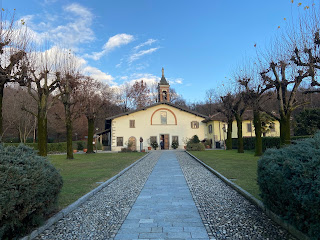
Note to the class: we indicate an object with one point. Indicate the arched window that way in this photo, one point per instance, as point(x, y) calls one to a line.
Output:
point(210, 128)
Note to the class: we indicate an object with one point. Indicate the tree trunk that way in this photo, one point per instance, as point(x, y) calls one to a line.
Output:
point(1, 121)
point(69, 131)
point(42, 132)
point(240, 138)
point(285, 129)
point(258, 132)
point(90, 134)
point(229, 135)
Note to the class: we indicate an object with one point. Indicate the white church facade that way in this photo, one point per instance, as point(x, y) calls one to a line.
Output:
point(162, 121)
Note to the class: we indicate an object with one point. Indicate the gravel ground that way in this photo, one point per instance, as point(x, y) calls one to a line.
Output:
point(102, 215)
point(226, 214)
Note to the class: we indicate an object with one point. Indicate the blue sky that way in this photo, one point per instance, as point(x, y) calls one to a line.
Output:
point(199, 43)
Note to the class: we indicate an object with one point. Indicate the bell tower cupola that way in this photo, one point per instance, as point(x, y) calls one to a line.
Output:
point(163, 89)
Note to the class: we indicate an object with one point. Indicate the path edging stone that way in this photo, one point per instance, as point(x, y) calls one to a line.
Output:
point(77, 203)
point(290, 228)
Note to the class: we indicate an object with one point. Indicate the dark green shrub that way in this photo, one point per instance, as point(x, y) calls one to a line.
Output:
point(174, 144)
point(194, 139)
point(29, 188)
point(195, 147)
point(289, 180)
point(80, 146)
point(154, 145)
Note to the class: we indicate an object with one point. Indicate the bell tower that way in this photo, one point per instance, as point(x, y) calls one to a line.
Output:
point(163, 89)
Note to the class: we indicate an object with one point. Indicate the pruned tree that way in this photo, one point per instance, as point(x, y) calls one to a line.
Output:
point(69, 80)
point(226, 108)
point(238, 108)
point(93, 95)
point(13, 43)
point(43, 79)
point(255, 95)
point(286, 79)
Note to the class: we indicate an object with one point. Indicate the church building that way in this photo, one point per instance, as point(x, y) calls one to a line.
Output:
point(162, 122)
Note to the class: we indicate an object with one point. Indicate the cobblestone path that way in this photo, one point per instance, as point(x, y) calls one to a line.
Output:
point(165, 208)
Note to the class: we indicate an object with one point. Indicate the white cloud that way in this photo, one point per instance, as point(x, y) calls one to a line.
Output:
point(77, 31)
point(113, 42)
point(141, 53)
point(76, 27)
point(99, 75)
point(148, 78)
point(174, 81)
point(147, 43)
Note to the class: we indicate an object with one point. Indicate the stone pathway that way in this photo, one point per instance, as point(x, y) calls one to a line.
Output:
point(165, 208)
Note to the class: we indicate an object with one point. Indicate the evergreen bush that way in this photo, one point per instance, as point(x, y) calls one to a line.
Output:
point(154, 145)
point(174, 144)
point(80, 146)
point(289, 180)
point(194, 139)
point(29, 188)
point(195, 146)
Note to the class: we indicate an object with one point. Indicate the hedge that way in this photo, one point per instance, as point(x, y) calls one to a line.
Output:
point(267, 142)
point(29, 188)
point(60, 147)
point(289, 181)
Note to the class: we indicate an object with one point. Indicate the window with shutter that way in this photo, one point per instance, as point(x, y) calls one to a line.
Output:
point(194, 124)
point(119, 141)
point(132, 124)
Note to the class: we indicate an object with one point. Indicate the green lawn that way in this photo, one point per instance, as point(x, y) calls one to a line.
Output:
point(241, 168)
point(81, 174)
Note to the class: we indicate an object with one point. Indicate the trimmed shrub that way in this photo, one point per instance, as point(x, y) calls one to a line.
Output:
point(194, 139)
point(289, 180)
point(195, 147)
point(80, 146)
point(154, 145)
point(174, 144)
point(29, 188)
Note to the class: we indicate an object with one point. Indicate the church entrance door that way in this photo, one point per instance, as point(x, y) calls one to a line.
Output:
point(165, 138)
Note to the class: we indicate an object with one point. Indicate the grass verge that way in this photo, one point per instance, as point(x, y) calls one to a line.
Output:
point(240, 168)
point(84, 172)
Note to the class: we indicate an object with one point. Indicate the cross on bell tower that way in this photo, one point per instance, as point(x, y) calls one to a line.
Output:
point(163, 89)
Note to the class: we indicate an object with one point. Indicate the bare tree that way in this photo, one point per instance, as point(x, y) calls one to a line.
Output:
point(13, 115)
point(13, 42)
point(256, 93)
point(43, 80)
point(93, 95)
point(226, 105)
point(140, 94)
point(69, 79)
point(286, 79)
